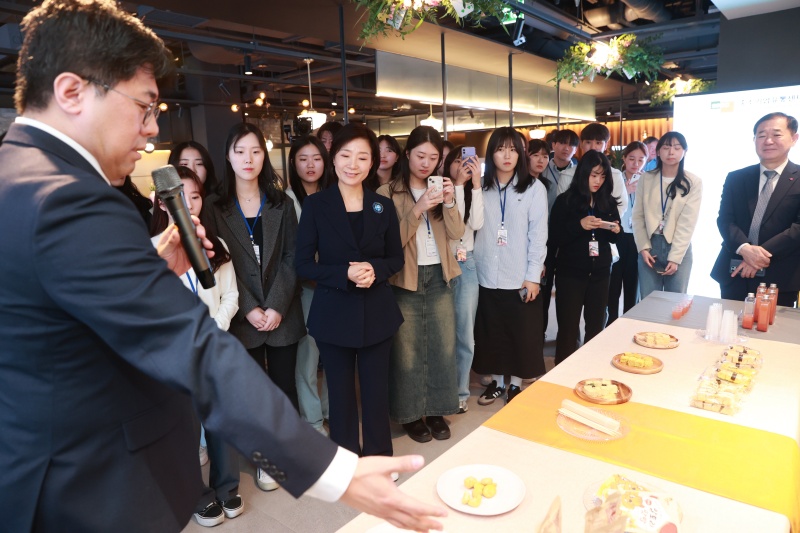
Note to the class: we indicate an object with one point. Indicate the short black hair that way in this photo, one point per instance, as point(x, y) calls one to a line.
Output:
point(650, 139)
point(791, 122)
point(595, 132)
point(566, 137)
point(332, 127)
point(94, 39)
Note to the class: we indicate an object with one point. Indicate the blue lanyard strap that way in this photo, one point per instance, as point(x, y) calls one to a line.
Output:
point(252, 228)
point(503, 190)
point(427, 221)
point(192, 284)
point(661, 190)
point(591, 214)
point(552, 173)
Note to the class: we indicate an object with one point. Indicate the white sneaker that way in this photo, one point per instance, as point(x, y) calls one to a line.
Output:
point(264, 481)
point(322, 430)
point(462, 407)
point(203, 455)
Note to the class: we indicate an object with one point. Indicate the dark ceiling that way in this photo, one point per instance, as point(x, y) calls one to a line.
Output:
point(211, 38)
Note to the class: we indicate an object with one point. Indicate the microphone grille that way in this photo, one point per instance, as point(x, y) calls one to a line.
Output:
point(166, 178)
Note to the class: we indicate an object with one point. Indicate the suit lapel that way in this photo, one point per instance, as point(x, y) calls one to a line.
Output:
point(336, 213)
point(234, 220)
point(786, 181)
point(271, 219)
point(373, 211)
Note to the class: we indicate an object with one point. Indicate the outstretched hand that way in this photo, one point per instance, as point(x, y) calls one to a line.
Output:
point(373, 491)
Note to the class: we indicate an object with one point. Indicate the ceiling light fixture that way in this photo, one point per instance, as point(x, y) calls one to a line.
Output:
point(163, 107)
point(234, 108)
point(317, 119)
point(248, 65)
point(432, 121)
point(352, 110)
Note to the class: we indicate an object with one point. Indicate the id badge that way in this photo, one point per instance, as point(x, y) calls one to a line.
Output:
point(660, 228)
point(461, 253)
point(430, 247)
point(502, 237)
point(257, 250)
point(594, 249)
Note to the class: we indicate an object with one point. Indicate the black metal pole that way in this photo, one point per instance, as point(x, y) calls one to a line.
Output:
point(444, 91)
point(558, 103)
point(345, 103)
point(511, 89)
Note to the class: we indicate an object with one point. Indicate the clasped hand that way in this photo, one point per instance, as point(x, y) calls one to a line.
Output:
point(755, 258)
point(361, 273)
point(264, 320)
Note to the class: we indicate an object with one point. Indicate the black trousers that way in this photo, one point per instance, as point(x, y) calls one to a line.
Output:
point(624, 277)
point(373, 380)
point(223, 474)
point(280, 367)
point(573, 296)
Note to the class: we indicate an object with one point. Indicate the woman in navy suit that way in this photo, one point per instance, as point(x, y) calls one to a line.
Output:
point(353, 315)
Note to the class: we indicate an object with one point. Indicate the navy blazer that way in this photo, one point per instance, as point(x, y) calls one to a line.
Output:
point(103, 351)
point(341, 313)
point(780, 227)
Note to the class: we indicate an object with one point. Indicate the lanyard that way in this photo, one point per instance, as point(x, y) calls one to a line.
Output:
point(661, 190)
point(591, 214)
point(552, 173)
point(252, 228)
point(504, 190)
point(427, 221)
point(192, 284)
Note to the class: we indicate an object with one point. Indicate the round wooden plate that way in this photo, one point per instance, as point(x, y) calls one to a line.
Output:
point(623, 395)
point(641, 340)
point(658, 365)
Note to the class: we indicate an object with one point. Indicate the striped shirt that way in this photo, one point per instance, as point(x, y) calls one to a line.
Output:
point(522, 259)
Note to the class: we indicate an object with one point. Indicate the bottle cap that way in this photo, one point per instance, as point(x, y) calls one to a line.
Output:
point(751, 295)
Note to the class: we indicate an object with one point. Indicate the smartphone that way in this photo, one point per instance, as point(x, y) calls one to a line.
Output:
point(435, 184)
point(467, 151)
point(610, 225)
point(523, 294)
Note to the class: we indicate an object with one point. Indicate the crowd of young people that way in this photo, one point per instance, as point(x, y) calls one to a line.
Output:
point(407, 283)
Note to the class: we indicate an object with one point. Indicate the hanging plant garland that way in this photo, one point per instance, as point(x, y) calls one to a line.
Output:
point(662, 92)
point(401, 17)
point(623, 55)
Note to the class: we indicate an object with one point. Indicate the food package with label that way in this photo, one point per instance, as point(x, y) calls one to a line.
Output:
point(718, 395)
point(742, 359)
point(646, 510)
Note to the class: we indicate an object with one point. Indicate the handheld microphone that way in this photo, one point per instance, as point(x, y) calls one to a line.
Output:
point(170, 191)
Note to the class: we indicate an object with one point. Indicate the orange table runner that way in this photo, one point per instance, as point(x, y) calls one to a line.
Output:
point(749, 465)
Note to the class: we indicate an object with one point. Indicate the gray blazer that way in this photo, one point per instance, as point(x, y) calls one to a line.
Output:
point(273, 284)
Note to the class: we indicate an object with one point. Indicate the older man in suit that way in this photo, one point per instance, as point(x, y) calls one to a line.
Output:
point(102, 350)
point(759, 217)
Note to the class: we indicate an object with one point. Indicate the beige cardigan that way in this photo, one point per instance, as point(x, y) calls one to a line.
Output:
point(682, 213)
point(451, 227)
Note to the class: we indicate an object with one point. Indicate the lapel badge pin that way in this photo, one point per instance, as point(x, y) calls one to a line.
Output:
point(377, 207)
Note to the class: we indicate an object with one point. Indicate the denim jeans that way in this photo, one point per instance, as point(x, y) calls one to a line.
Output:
point(422, 367)
point(650, 281)
point(313, 405)
point(466, 304)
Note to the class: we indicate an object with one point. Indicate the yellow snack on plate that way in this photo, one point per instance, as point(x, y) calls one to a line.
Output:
point(470, 482)
point(477, 490)
point(466, 497)
point(490, 490)
point(474, 502)
point(486, 481)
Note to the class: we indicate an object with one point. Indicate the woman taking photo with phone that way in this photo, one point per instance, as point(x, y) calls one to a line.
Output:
point(308, 174)
point(664, 219)
point(422, 372)
point(510, 250)
point(625, 272)
point(465, 172)
point(355, 235)
point(583, 224)
point(257, 220)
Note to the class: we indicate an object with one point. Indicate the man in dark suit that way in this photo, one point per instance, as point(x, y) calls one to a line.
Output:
point(759, 217)
point(102, 350)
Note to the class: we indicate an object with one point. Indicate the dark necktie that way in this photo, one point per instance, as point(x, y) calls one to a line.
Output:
point(761, 207)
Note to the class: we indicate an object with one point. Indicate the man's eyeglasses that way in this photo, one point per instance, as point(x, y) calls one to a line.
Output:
point(150, 110)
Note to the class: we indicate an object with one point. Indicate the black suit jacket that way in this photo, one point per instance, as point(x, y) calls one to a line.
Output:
point(341, 313)
point(102, 353)
point(780, 227)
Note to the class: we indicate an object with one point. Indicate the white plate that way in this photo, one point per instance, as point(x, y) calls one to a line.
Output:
point(576, 429)
point(510, 489)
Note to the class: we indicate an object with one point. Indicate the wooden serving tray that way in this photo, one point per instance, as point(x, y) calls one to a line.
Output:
point(641, 340)
point(623, 395)
point(658, 365)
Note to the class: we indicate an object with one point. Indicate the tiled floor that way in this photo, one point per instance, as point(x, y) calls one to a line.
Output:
point(278, 512)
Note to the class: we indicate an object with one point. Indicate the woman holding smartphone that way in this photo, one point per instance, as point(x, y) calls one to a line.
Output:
point(257, 220)
point(465, 172)
point(510, 250)
point(422, 372)
point(308, 174)
point(583, 224)
point(625, 272)
point(664, 219)
point(348, 243)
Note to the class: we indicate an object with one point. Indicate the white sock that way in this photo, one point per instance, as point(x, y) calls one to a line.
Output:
point(499, 379)
point(516, 381)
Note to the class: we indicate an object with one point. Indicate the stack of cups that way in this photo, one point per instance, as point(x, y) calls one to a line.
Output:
point(728, 333)
point(713, 322)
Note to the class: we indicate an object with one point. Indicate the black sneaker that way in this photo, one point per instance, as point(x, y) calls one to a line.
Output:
point(232, 507)
point(513, 390)
point(211, 516)
point(491, 393)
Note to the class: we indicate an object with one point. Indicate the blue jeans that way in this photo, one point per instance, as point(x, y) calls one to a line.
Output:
point(422, 367)
point(650, 280)
point(466, 302)
point(313, 405)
